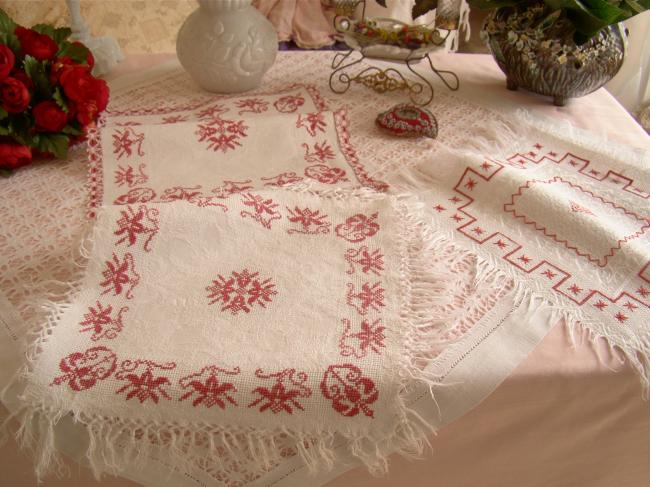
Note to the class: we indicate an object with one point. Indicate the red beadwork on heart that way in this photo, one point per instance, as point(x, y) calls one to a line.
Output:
point(206, 389)
point(289, 103)
point(82, 370)
point(241, 291)
point(101, 321)
point(349, 391)
point(356, 228)
point(284, 394)
point(408, 121)
point(141, 382)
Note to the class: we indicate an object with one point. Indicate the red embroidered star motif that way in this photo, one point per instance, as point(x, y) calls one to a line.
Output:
point(630, 306)
point(486, 165)
point(615, 181)
point(455, 199)
point(501, 244)
point(552, 154)
point(643, 291)
point(594, 172)
point(470, 184)
point(620, 317)
point(573, 163)
point(600, 304)
point(549, 274)
point(458, 218)
point(478, 230)
point(439, 208)
point(240, 291)
point(575, 289)
point(538, 146)
point(525, 259)
point(532, 154)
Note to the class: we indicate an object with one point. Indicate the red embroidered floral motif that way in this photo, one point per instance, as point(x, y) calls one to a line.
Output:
point(82, 370)
point(174, 119)
point(124, 142)
point(141, 382)
point(241, 291)
point(311, 221)
point(209, 391)
point(358, 227)
point(135, 195)
point(134, 224)
point(127, 175)
point(369, 337)
point(223, 135)
point(312, 122)
point(232, 187)
point(369, 261)
point(370, 297)
point(179, 193)
point(211, 112)
point(321, 153)
point(263, 211)
point(120, 275)
point(349, 391)
point(252, 105)
point(283, 396)
point(282, 179)
point(100, 321)
point(289, 103)
point(577, 208)
point(326, 174)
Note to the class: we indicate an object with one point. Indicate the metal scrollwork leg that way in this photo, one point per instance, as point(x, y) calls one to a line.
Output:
point(340, 80)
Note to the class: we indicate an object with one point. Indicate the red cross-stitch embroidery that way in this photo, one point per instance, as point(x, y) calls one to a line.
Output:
point(282, 179)
point(174, 119)
point(326, 174)
point(252, 105)
point(369, 337)
point(120, 276)
point(577, 208)
point(349, 391)
point(312, 122)
point(211, 112)
point(358, 227)
point(180, 193)
point(263, 211)
point(369, 297)
point(283, 396)
point(368, 261)
point(289, 103)
point(241, 291)
point(207, 387)
point(311, 221)
point(223, 135)
point(82, 370)
point(135, 195)
point(101, 322)
point(124, 142)
point(134, 224)
point(232, 187)
point(127, 175)
point(320, 153)
point(141, 382)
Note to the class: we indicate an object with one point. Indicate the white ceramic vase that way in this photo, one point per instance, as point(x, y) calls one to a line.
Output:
point(227, 45)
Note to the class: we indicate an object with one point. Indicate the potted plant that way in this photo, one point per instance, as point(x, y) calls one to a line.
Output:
point(558, 48)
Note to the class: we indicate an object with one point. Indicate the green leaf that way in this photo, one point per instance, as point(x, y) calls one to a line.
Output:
point(7, 26)
point(381, 2)
point(5, 173)
point(58, 34)
point(11, 41)
point(60, 101)
point(70, 130)
point(4, 131)
point(35, 69)
point(56, 144)
point(3, 113)
point(76, 52)
point(422, 7)
point(48, 30)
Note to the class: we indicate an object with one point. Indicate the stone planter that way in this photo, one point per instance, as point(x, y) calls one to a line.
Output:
point(227, 45)
point(547, 60)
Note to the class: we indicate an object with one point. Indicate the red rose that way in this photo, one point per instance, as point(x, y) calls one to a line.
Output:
point(21, 76)
point(40, 46)
point(59, 66)
point(7, 60)
point(14, 95)
point(49, 117)
point(87, 111)
point(78, 84)
point(12, 156)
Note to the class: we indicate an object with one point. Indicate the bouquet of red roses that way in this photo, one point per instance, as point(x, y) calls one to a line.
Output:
point(48, 96)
